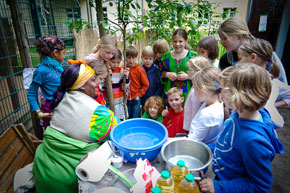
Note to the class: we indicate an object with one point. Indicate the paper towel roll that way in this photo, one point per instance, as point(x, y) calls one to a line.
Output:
point(92, 168)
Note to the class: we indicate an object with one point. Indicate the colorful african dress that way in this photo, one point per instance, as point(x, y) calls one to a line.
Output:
point(79, 125)
point(170, 64)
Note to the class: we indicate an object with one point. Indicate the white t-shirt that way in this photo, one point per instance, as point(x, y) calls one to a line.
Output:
point(208, 123)
point(280, 91)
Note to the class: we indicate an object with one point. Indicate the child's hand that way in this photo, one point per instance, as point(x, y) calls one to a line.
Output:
point(110, 71)
point(165, 112)
point(171, 75)
point(182, 76)
point(206, 185)
point(126, 73)
point(47, 115)
point(42, 115)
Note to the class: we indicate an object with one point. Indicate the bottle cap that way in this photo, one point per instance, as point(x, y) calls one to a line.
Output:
point(180, 163)
point(165, 174)
point(156, 189)
point(189, 177)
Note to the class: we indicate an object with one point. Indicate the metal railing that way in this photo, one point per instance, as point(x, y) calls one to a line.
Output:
point(39, 18)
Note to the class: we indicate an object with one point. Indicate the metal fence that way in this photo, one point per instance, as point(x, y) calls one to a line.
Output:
point(40, 18)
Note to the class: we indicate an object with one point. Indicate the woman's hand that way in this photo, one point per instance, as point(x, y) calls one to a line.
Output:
point(171, 76)
point(206, 185)
point(182, 76)
point(165, 112)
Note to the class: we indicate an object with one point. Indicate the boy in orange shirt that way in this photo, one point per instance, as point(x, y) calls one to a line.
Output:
point(139, 83)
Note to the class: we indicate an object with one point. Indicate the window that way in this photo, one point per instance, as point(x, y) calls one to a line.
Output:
point(105, 12)
point(229, 12)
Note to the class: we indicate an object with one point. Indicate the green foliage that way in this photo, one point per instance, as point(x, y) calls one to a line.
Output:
point(74, 23)
point(198, 18)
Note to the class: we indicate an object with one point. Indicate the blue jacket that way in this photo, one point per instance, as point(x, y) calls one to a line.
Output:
point(47, 77)
point(243, 154)
point(155, 86)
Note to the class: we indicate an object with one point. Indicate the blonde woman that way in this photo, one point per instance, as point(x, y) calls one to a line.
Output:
point(248, 143)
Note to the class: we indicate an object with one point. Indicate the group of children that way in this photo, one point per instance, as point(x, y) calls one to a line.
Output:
point(228, 104)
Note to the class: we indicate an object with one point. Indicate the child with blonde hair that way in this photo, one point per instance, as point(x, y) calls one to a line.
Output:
point(160, 47)
point(104, 50)
point(224, 78)
point(153, 108)
point(233, 32)
point(192, 103)
point(173, 118)
point(243, 153)
point(117, 76)
point(139, 83)
point(208, 47)
point(260, 52)
point(207, 124)
point(152, 71)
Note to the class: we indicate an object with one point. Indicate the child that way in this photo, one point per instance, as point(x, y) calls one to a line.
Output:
point(224, 87)
point(104, 50)
point(173, 119)
point(152, 71)
point(208, 47)
point(173, 70)
point(260, 52)
point(47, 76)
point(101, 72)
point(244, 150)
point(153, 108)
point(138, 83)
point(118, 74)
point(192, 103)
point(233, 32)
point(207, 124)
point(160, 47)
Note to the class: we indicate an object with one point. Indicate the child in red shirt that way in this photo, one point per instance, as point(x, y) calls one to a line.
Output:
point(173, 118)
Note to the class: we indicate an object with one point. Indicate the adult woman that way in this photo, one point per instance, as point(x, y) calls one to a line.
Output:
point(79, 124)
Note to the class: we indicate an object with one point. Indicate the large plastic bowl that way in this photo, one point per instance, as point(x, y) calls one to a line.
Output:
point(139, 138)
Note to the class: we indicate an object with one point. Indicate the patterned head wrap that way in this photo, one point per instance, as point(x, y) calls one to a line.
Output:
point(85, 73)
point(52, 42)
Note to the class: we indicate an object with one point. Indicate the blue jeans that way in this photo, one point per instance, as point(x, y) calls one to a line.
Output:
point(134, 110)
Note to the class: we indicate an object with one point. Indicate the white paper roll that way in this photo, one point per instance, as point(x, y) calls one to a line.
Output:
point(92, 168)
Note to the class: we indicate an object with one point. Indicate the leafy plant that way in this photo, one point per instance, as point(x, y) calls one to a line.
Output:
point(74, 23)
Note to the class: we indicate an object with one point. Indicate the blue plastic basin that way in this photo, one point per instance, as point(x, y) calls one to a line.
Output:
point(139, 138)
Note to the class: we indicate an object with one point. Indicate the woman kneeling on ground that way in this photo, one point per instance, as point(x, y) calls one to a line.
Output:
point(79, 125)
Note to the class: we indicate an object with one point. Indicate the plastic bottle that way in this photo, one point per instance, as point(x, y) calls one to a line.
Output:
point(188, 185)
point(165, 182)
point(178, 173)
point(156, 189)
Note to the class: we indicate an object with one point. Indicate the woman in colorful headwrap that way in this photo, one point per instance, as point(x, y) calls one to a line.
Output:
point(79, 124)
point(47, 76)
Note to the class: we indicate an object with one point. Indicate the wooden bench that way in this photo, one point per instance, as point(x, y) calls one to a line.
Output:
point(16, 151)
